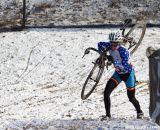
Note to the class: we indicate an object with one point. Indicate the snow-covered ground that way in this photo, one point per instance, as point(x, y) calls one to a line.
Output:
point(42, 73)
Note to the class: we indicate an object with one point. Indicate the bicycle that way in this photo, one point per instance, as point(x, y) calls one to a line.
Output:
point(104, 60)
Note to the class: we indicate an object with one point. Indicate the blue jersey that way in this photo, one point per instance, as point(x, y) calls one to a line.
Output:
point(120, 57)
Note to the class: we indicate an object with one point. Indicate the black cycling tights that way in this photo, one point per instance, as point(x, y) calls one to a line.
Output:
point(111, 85)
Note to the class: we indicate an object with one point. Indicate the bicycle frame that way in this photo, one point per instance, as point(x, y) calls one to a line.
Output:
point(100, 62)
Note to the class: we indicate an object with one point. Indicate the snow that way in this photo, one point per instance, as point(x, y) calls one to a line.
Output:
point(42, 73)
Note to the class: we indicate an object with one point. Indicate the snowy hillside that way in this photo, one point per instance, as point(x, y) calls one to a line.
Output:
point(77, 12)
point(42, 73)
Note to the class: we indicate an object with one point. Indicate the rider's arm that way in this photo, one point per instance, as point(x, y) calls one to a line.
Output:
point(103, 46)
point(125, 59)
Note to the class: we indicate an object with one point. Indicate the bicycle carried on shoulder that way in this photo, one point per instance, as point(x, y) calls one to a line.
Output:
point(132, 34)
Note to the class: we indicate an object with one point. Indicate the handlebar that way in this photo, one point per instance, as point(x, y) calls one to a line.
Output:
point(93, 49)
point(87, 51)
point(103, 56)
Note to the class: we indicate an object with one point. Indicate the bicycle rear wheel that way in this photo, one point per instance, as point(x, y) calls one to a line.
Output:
point(92, 80)
point(135, 36)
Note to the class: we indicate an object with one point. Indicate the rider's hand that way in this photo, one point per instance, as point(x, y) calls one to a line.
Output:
point(109, 63)
point(98, 60)
point(110, 58)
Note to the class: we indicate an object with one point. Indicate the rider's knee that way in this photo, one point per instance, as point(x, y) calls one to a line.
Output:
point(131, 95)
point(111, 83)
point(109, 87)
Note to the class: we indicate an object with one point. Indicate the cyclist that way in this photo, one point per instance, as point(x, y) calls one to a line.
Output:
point(124, 71)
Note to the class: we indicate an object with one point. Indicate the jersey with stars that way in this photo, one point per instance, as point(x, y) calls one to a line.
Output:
point(120, 57)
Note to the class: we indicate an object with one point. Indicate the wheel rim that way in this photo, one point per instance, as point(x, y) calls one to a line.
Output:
point(137, 34)
point(86, 92)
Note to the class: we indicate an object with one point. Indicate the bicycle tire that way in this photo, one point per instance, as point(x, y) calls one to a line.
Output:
point(101, 69)
point(143, 27)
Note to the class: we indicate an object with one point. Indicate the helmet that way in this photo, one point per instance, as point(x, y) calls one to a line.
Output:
point(115, 37)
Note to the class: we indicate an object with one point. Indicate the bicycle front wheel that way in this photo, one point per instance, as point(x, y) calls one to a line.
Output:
point(92, 81)
point(135, 36)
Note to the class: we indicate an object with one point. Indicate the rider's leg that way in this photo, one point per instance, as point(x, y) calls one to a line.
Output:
point(133, 100)
point(130, 83)
point(110, 86)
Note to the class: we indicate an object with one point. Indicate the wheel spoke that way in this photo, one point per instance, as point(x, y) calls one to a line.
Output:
point(134, 36)
point(93, 79)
